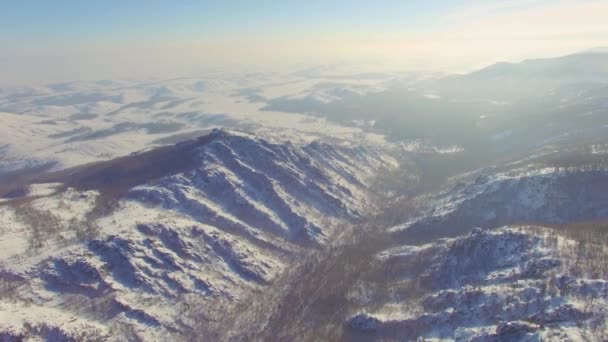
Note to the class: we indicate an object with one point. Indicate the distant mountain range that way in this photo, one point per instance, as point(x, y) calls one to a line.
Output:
point(506, 81)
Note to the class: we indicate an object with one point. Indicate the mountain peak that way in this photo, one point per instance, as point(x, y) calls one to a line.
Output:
point(599, 49)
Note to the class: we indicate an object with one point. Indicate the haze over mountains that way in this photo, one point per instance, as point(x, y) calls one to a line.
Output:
point(87, 121)
point(311, 205)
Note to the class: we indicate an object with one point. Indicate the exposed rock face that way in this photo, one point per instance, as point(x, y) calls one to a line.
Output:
point(515, 328)
point(560, 314)
point(365, 322)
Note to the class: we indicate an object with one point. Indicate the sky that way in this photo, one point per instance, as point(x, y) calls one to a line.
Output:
point(61, 40)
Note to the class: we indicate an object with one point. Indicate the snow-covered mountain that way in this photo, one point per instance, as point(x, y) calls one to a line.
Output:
point(177, 251)
point(510, 280)
point(585, 66)
point(508, 284)
point(528, 195)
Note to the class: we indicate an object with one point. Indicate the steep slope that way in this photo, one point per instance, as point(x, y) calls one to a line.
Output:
point(177, 252)
point(534, 195)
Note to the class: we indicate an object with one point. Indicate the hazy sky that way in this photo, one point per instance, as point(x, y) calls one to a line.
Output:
point(59, 40)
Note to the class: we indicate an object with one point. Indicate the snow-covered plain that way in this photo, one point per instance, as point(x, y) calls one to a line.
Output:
point(79, 122)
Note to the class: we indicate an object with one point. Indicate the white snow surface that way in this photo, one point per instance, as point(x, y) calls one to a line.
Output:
point(69, 124)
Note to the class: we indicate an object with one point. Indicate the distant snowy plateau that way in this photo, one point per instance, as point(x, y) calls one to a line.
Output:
point(70, 124)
